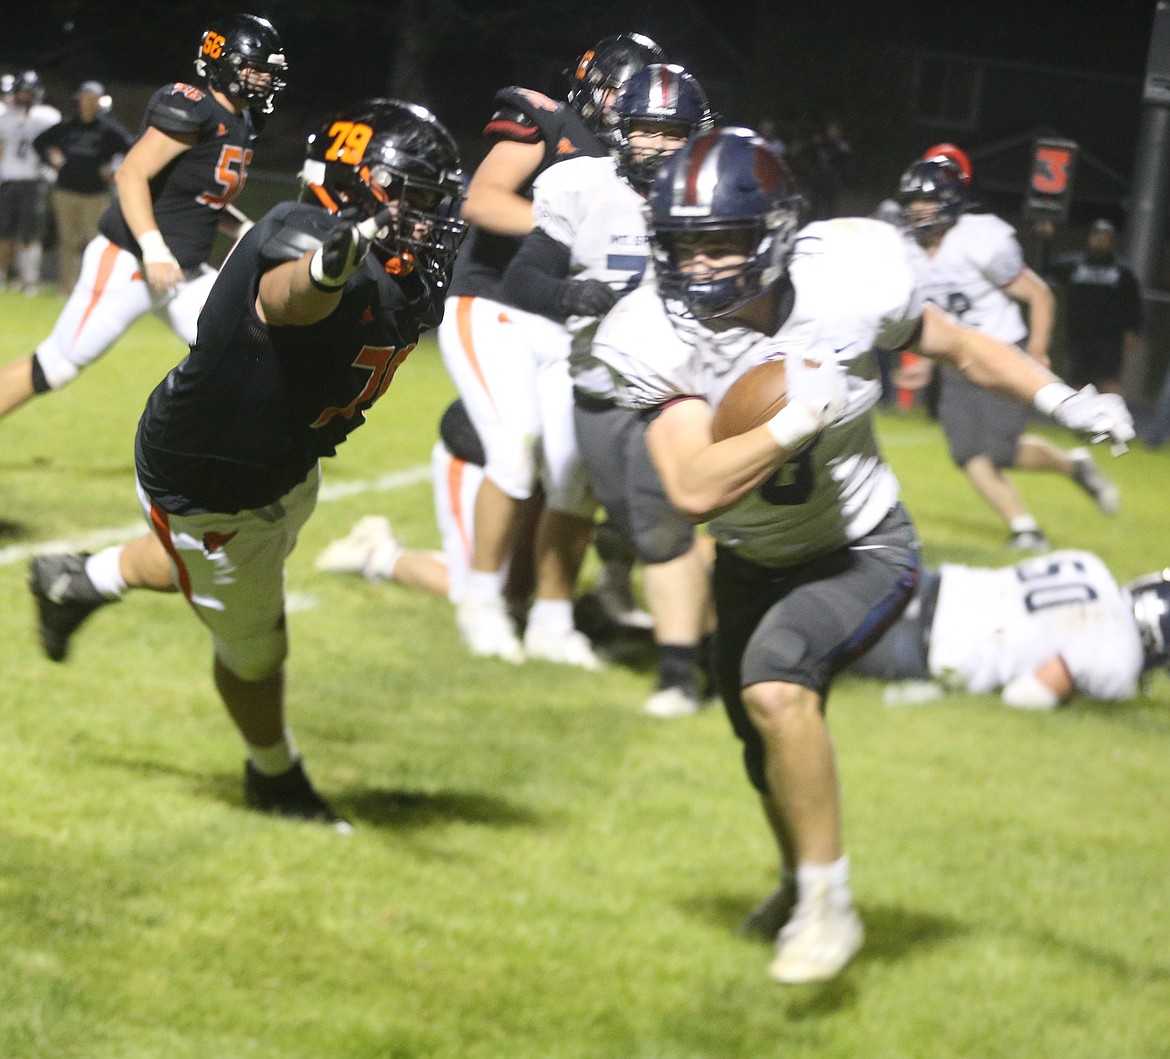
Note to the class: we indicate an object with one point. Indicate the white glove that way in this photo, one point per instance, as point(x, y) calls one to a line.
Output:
point(818, 394)
point(155, 250)
point(342, 254)
point(1098, 416)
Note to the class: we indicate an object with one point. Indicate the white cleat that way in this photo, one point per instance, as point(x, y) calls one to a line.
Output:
point(668, 703)
point(487, 630)
point(822, 936)
point(570, 648)
point(1093, 481)
point(352, 554)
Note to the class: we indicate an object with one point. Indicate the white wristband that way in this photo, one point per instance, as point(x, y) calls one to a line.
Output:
point(793, 425)
point(1052, 394)
point(154, 249)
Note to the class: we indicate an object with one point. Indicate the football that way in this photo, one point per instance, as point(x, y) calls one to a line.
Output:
point(757, 395)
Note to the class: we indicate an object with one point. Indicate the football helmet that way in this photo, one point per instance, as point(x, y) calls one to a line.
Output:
point(935, 180)
point(955, 154)
point(660, 94)
point(603, 69)
point(1150, 596)
point(726, 182)
point(235, 53)
point(31, 84)
point(384, 152)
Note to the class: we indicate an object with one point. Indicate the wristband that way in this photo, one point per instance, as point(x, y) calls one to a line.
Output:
point(1052, 394)
point(155, 250)
point(793, 425)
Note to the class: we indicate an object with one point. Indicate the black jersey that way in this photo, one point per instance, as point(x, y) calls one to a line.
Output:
point(88, 147)
point(522, 116)
point(189, 194)
point(247, 414)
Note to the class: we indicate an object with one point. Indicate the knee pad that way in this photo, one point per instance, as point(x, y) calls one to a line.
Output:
point(664, 540)
point(255, 658)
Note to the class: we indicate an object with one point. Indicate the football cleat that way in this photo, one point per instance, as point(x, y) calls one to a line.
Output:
point(822, 936)
point(290, 794)
point(369, 549)
point(1029, 541)
point(488, 630)
point(667, 703)
point(616, 595)
point(65, 598)
point(566, 647)
point(1093, 481)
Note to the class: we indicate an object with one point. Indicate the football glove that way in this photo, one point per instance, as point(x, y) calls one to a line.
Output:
point(818, 395)
point(343, 252)
point(1097, 416)
point(585, 297)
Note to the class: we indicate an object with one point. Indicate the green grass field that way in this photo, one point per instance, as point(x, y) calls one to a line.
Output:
point(537, 870)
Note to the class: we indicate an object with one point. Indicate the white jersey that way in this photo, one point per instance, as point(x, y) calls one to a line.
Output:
point(586, 206)
point(18, 129)
point(975, 260)
point(991, 626)
point(855, 290)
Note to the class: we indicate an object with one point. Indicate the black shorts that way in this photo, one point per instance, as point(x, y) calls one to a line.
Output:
point(979, 422)
point(22, 210)
point(612, 444)
point(803, 624)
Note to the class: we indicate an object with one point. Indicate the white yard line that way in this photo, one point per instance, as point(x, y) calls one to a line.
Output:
point(388, 483)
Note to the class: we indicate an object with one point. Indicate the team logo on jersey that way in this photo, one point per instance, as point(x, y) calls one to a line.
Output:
point(213, 541)
point(222, 130)
point(566, 146)
point(368, 315)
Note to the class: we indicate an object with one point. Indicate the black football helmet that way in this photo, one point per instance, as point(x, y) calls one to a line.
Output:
point(660, 94)
point(728, 182)
point(937, 180)
point(31, 84)
point(603, 69)
point(1151, 612)
point(233, 51)
point(383, 151)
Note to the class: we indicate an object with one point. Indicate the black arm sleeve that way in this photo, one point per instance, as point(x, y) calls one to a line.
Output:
point(537, 275)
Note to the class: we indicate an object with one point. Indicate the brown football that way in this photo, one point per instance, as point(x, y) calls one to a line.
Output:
point(757, 395)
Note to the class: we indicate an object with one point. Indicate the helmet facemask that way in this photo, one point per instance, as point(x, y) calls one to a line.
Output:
point(1150, 596)
point(932, 195)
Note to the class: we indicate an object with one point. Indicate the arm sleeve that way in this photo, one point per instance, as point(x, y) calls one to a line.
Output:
point(537, 274)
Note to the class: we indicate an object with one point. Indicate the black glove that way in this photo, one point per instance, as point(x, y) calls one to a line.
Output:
point(585, 297)
point(342, 254)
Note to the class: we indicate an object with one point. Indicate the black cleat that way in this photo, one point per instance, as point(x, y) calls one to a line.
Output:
point(65, 598)
point(290, 794)
point(765, 920)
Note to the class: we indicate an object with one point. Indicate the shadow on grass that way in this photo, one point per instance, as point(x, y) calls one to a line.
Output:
point(14, 531)
point(377, 807)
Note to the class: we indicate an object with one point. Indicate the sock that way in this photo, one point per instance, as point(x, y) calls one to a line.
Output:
point(380, 565)
point(678, 667)
point(484, 585)
point(835, 876)
point(275, 759)
point(105, 571)
point(29, 259)
point(552, 615)
point(1024, 524)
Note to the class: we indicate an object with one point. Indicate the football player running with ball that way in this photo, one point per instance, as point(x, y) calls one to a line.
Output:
point(311, 316)
point(172, 193)
point(816, 556)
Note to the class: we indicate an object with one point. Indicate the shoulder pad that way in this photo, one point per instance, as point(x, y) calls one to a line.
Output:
point(511, 123)
point(179, 108)
point(536, 107)
point(292, 229)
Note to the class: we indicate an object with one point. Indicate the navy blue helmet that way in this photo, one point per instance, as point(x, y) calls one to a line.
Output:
point(661, 95)
point(725, 182)
point(234, 52)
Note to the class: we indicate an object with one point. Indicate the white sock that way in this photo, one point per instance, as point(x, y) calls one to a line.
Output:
point(275, 759)
point(484, 585)
point(380, 565)
point(29, 259)
point(1024, 524)
point(105, 571)
point(835, 876)
point(552, 615)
